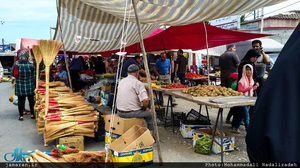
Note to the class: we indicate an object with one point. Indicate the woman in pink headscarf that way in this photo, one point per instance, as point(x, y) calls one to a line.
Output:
point(246, 85)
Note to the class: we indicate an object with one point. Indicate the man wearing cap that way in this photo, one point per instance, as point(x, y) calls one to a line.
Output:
point(132, 98)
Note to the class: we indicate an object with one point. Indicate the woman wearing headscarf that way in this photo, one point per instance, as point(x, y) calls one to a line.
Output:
point(249, 58)
point(25, 83)
point(274, 132)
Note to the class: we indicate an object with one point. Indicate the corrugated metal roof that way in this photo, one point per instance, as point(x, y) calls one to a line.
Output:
point(287, 15)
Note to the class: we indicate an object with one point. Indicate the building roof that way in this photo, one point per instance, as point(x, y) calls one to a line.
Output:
point(295, 14)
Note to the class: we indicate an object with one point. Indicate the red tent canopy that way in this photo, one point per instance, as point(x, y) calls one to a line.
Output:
point(190, 37)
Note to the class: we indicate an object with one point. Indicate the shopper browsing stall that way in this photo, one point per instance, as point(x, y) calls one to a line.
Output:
point(181, 66)
point(25, 83)
point(163, 68)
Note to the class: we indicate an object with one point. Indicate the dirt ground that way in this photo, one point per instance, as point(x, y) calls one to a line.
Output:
point(177, 149)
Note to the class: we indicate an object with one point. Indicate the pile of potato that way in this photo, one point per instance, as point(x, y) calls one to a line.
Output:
point(211, 91)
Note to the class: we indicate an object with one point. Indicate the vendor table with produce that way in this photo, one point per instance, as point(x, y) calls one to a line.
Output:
point(195, 79)
point(213, 96)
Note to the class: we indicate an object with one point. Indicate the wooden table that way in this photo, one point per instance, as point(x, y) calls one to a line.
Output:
point(216, 102)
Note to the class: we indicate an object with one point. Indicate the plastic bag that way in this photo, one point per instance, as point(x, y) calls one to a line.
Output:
point(203, 145)
point(15, 101)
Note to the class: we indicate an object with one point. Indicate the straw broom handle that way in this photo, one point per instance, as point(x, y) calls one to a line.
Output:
point(47, 90)
point(45, 156)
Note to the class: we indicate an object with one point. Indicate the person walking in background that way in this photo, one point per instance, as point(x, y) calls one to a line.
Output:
point(229, 62)
point(260, 63)
point(173, 64)
point(181, 66)
point(100, 68)
point(75, 67)
point(25, 83)
point(246, 86)
point(1, 72)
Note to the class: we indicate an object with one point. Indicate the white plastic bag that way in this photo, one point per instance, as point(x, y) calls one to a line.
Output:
point(15, 101)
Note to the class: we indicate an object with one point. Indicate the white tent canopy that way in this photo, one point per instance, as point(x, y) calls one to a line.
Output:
point(96, 25)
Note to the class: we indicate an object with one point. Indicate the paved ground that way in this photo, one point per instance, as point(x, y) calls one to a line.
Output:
point(23, 134)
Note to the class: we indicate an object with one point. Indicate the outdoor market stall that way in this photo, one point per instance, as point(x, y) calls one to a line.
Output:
point(171, 14)
point(220, 102)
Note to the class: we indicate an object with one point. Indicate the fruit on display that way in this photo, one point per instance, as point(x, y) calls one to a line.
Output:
point(190, 75)
point(153, 85)
point(211, 91)
point(108, 75)
point(88, 72)
point(144, 80)
point(175, 86)
point(163, 83)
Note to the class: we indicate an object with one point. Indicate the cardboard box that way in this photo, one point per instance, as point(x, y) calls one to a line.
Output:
point(110, 138)
point(72, 142)
point(105, 94)
point(187, 130)
point(228, 140)
point(135, 145)
point(121, 125)
point(106, 86)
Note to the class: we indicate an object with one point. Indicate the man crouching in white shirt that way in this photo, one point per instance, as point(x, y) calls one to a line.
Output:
point(132, 99)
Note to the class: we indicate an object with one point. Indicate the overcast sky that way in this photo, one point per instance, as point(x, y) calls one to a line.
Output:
point(33, 18)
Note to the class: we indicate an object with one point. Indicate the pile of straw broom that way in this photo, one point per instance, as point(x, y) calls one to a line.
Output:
point(74, 157)
point(60, 112)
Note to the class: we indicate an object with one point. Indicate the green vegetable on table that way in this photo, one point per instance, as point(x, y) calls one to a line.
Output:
point(203, 145)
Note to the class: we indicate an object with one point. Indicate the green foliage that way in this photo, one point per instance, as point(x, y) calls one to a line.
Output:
point(243, 18)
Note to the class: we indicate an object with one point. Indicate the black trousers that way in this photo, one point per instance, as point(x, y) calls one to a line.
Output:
point(21, 104)
point(75, 79)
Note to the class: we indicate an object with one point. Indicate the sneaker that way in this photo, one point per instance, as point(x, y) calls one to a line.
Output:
point(228, 121)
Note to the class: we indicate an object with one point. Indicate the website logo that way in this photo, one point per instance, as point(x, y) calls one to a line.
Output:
point(16, 156)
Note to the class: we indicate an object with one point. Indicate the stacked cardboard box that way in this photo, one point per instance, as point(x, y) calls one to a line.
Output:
point(119, 127)
point(134, 146)
point(228, 140)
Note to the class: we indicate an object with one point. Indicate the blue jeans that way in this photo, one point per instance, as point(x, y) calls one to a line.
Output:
point(244, 116)
point(181, 77)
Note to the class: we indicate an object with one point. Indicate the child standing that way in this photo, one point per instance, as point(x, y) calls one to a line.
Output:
point(246, 86)
point(233, 77)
